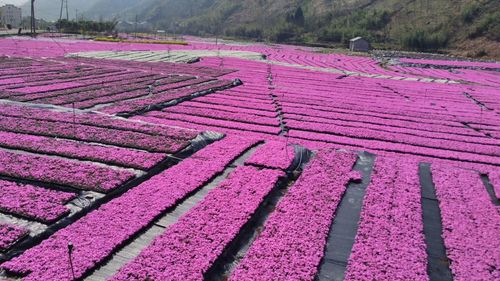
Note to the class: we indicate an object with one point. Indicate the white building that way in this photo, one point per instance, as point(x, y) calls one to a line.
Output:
point(11, 15)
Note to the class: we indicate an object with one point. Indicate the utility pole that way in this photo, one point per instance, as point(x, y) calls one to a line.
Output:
point(135, 27)
point(67, 10)
point(76, 15)
point(63, 4)
point(33, 21)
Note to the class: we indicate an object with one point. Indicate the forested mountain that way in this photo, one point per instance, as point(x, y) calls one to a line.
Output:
point(469, 25)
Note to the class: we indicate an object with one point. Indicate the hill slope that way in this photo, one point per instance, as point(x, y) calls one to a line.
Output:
point(467, 26)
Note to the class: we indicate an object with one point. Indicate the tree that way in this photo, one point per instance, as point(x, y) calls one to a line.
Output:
point(298, 17)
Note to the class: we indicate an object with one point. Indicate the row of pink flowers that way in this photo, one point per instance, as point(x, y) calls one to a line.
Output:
point(244, 103)
point(48, 88)
point(45, 74)
point(293, 240)
point(83, 151)
point(97, 83)
point(8, 81)
point(446, 131)
point(33, 202)
point(159, 98)
point(101, 232)
point(36, 78)
point(390, 243)
point(127, 92)
point(165, 67)
point(227, 108)
point(93, 134)
point(273, 154)
point(9, 235)
point(471, 224)
point(82, 175)
point(216, 114)
point(96, 120)
point(158, 117)
point(126, 83)
point(456, 63)
point(41, 83)
point(492, 149)
point(412, 150)
point(204, 231)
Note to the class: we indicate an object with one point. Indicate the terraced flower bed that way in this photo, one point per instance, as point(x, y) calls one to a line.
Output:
point(119, 87)
point(244, 162)
point(50, 157)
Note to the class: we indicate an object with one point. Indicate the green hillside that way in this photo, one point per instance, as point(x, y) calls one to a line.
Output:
point(467, 27)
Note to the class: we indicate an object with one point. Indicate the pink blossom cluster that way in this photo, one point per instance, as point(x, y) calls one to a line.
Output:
point(33, 202)
point(204, 231)
point(471, 224)
point(294, 237)
point(81, 175)
point(82, 151)
point(273, 154)
point(9, 235)
point(104, 230)
point(390, 242)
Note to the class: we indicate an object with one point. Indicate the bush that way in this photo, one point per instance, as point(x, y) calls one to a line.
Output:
point(163, 42)
point(283, 32)
point(488, 25)
point(89, 26)
point(245, 32)
point(421, 40)
point(470, 12)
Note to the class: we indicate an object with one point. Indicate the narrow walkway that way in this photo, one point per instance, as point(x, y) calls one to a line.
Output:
point(345, 225)
point(438, 265)
point(132, 250)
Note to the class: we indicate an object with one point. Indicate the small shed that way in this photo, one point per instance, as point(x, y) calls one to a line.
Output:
point(359, 44)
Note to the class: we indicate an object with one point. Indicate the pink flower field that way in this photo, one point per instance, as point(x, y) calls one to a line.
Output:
point(123, 161)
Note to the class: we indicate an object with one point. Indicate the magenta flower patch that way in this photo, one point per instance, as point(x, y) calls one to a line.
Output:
point(294, 237)
point(204, 230)
point(10, 234)
point(102, 231)
point(471, 224)
point(80, 175)
point(33, 202)
point(273, 154)
point(390, 242)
